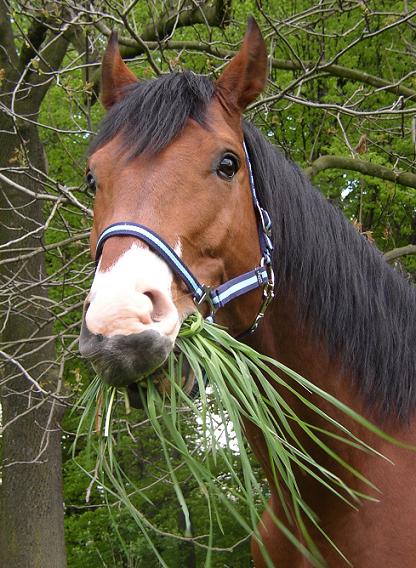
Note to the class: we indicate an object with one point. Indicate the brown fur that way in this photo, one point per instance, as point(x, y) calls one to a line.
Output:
point(377, 534)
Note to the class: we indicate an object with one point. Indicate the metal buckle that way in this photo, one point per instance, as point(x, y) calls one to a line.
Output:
point(206, 297)
point(268, 295)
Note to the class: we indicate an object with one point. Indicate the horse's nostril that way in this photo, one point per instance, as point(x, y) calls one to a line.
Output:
point(153, 301)
point(159, 305)
point(151, 296)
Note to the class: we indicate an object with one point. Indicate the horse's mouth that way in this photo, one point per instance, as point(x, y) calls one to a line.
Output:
point(133, 361)
point(159, 377)
point(122, 359)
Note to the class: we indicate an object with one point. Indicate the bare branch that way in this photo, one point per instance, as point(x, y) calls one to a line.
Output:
point(367, 168)
point(398, 252)
point(34, 39)
point(132, 49)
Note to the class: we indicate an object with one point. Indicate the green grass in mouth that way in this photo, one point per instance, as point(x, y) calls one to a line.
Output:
point(243, 386)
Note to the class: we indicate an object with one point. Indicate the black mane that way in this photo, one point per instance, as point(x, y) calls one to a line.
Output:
point(363, 309)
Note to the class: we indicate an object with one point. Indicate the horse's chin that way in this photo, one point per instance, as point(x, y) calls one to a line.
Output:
point(137, 391)
point(124, 359)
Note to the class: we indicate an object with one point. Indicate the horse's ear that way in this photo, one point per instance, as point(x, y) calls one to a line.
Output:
point(115, 75)
point(245, 76)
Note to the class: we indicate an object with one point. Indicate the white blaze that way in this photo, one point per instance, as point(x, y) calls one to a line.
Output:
point(133, 295)
point(178, 248)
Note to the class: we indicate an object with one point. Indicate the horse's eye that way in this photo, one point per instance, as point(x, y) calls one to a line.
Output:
point(228, 166)
point(90, 181)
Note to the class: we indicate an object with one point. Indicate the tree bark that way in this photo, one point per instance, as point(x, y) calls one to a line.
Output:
point(31, 519)
point(31, 496)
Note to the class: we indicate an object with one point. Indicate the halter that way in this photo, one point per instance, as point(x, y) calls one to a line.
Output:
point(260, 277)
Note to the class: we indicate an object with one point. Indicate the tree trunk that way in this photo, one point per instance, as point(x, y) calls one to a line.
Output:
point(31, 497)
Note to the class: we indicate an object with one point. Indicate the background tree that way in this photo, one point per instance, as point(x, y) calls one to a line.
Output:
point(31, 503)
point(341, 101)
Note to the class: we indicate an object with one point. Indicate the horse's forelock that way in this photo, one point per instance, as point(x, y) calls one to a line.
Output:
point(153, 113)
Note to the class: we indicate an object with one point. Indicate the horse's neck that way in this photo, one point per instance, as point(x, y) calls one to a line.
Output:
point(283, 336)
point(287, 339)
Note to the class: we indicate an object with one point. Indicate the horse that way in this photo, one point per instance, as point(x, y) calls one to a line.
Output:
point(175, 159)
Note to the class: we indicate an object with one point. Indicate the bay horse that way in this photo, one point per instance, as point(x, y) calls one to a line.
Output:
point(170, 157)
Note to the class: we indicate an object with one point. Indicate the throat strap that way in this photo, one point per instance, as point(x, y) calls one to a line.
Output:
point(130, 229)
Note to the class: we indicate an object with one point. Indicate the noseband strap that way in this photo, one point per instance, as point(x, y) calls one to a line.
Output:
point(260, 277)
point(158, 245)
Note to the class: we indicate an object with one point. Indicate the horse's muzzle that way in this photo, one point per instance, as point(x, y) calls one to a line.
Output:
point(123, 359)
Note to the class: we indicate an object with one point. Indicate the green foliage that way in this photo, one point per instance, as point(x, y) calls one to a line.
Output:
point(101, 536)
point(383, 210)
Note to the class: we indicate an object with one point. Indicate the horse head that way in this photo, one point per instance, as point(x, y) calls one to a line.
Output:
point(169, 156)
